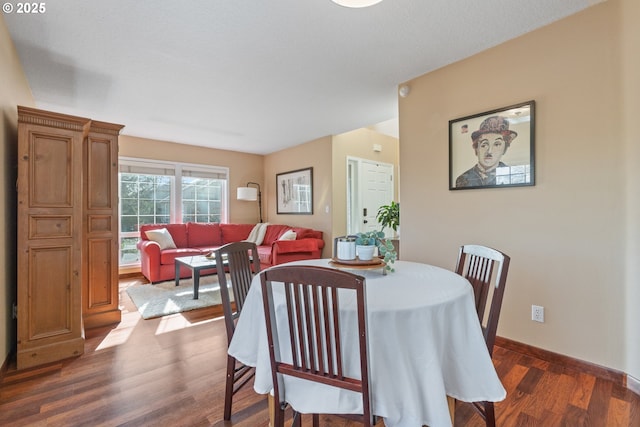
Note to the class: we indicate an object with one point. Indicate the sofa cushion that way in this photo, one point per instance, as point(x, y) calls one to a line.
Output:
point(162, 237)
point(274, 231)
point(204, 234)
point(288, 235)
point(305, 245)
point(168, 256)
point(178, 232)
point(235, 232)
point(264, 253)
point(304, 233)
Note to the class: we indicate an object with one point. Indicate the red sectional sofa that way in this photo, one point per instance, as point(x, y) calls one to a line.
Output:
point(199, 238)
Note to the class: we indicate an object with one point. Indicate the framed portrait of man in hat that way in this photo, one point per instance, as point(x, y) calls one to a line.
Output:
point(493, 149)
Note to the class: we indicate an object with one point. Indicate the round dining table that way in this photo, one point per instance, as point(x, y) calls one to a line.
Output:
point(425, 343)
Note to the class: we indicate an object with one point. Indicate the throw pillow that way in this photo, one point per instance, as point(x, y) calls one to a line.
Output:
point(288, 235)
point(162, 237)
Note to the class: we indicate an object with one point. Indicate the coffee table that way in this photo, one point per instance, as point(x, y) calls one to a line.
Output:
point(196, 263)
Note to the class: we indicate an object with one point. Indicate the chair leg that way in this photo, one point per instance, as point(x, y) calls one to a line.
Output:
point(297, 419)
point(278, 416)
point(490, 414)
point(228, 391)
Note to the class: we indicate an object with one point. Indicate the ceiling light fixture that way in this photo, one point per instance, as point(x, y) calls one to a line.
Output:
point(356, 3)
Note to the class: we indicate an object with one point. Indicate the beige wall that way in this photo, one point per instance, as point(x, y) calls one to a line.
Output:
point(14, 91)
point(315, 154)
point(573, 234)
point(628, 13)
point(358, 143)
point(243, 167)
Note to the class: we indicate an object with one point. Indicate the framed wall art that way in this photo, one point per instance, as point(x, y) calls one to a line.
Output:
point(295, 192)
point(493, 149)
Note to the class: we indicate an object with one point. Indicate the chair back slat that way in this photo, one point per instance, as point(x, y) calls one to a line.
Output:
point(486, 269)
point(479, 275)
point(319, 320)
point(316, 338)
point(312, 296)
point(242, 263)
point(240, 274)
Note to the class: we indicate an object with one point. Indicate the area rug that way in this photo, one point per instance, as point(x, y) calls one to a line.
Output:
point(165, 298)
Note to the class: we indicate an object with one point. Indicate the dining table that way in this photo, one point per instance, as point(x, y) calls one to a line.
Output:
point(426, 348)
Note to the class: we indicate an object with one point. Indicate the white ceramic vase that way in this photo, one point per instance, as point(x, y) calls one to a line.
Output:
point(365, 253)
point(346, 248)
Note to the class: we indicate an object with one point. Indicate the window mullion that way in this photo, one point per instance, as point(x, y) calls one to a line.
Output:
point(176, 211)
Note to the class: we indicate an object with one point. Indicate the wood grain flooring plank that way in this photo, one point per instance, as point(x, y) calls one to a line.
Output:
point(534, 362)
point(634, 413)
point(530, 380)
point(619, 413)
point(544, 401)
point(582, 393)
point(505, 361)
point(507, 411)
point(562, 392)
point(599, 403)
point(513, 377)
point(526, 420)
point(576, 417)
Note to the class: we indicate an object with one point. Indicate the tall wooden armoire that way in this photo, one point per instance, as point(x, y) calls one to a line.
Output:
point(67, 246)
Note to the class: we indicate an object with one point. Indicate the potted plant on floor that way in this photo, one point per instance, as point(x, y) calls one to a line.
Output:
point(367, 242)
point(388, 216)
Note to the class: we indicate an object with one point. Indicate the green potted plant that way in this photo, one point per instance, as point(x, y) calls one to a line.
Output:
point(375, 239)
point(388, 216)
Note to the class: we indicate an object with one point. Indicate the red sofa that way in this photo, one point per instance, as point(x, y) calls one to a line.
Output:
point(199, 238)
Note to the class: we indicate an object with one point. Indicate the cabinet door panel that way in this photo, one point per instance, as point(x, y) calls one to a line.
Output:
point(50, 226)
point(51, 175)
point(99, 174)
point(101, 274)
point(50, 292)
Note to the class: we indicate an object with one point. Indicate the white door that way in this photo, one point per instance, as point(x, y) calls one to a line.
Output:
point(369, 186)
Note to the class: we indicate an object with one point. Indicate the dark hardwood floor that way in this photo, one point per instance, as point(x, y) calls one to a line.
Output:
point(170, 372)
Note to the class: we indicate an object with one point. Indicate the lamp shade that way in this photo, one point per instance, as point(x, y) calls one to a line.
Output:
point(247, 193)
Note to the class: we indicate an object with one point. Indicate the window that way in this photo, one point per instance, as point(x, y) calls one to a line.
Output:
point(162, 193)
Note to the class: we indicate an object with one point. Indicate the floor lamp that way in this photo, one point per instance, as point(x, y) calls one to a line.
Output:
point(251, 194)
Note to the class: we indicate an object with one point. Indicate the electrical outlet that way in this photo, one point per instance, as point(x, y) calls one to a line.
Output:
point(537, 313)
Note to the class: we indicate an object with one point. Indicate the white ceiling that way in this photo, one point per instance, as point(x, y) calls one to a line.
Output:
point(254, 76)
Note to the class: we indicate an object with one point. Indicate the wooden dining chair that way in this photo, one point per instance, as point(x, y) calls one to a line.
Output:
point(241, 260)
point(486, 269)
point(312, 299)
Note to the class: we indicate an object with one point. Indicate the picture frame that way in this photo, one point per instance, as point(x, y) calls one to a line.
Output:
point(493, 149)
point(294, 190)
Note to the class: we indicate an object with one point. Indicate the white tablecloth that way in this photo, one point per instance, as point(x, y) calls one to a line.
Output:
point(425, 342)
